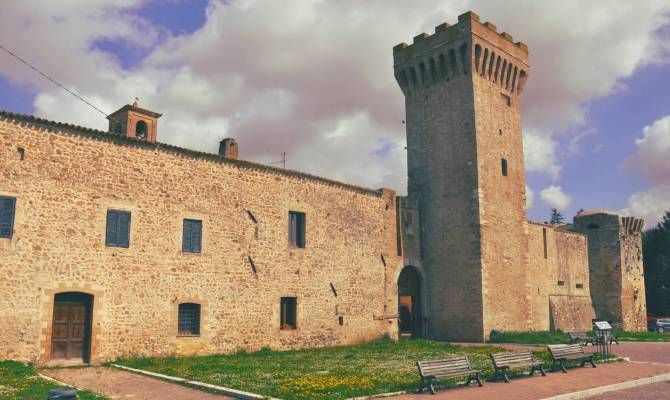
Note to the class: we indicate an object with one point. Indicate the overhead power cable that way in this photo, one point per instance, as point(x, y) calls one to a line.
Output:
point(52, 80)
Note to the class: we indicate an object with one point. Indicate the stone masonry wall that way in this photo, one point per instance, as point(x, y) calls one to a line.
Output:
point(616, 270)
point(67, 182)
point(440, 142)
point(502, 198)
point(633, 297)
point(559, 282)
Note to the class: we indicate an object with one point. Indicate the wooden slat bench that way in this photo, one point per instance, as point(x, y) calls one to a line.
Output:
point(580, 338)
point(452, 367)
point(503, 362)
point(560, 353)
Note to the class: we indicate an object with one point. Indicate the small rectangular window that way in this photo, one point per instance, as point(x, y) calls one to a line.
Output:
point(118, 229)
point(189, 319)
point(192, 236)
point(296, 229)
point(7, 211)
point(503, 165)
point(288, 313)
point(561, 283)
point(544, 240)
point(580, 286)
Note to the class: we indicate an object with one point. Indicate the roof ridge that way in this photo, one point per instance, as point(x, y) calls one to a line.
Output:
point(96, 133)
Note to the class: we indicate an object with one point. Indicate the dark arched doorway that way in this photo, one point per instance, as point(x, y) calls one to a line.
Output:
point(409, 303)
point(71, 329)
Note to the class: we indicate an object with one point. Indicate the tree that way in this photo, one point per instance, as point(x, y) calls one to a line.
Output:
point(656, 256)
point(556, 217)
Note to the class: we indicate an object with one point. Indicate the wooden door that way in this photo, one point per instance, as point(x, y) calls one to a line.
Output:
point(69, 331)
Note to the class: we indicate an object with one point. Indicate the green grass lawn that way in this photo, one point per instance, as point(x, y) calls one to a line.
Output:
point(325, 373)
point(644, 337)
point(20, 382)
point(558, 337)
point(533, 337)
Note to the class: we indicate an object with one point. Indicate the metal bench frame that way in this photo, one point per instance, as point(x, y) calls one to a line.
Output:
point(452, 367)
point(579, 337)
point(503, 362)
point(560, 353)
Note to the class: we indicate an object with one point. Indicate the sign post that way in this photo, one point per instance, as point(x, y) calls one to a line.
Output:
point(603, 330)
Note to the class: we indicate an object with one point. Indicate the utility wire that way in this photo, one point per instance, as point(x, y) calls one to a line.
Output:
point(52, 80)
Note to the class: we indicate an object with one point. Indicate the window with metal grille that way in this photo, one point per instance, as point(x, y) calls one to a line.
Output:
point(192, 236)
point(118, 228)
point(288, 313)
point(296, 229)
point(7, 209)
point(189, 319)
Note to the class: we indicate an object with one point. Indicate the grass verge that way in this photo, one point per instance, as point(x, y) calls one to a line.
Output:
point(644, 337)
point(532, 337)
point(558, 337)
point(20, 381)
point(325, 373)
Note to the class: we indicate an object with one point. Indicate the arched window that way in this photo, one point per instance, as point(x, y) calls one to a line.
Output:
point(141, 130)
point(503, 165)
point(189, 319)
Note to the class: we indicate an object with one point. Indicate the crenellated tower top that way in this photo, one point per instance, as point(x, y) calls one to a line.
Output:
point(457, 50)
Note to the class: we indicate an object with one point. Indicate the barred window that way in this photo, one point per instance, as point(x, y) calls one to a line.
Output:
point(192, 236)
point(118, 229)
point(189, 319)
point(7, 208)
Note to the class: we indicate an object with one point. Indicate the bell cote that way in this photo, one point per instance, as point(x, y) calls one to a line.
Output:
point(135, 122)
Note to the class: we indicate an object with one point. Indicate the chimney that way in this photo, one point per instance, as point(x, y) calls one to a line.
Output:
point(228, 148)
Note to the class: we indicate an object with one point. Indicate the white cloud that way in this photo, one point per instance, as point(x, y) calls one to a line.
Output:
point(652, 160)
point(287, 76)
point(540, 154)
point(575, 146)
point(530, 197)
point(555, 198)
point(649, 204)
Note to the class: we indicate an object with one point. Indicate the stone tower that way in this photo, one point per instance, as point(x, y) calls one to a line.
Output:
point(615, 267)
point(462, 89)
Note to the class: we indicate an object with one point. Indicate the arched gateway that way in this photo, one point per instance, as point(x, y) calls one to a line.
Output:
point(71, 330)
point(409, 303)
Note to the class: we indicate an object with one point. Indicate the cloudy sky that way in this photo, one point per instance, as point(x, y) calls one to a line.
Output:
point(314, 79)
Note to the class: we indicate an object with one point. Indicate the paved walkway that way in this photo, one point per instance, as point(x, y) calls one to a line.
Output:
point(639, 351)
point(117, 384)
point(553, 384)
point(656, 391)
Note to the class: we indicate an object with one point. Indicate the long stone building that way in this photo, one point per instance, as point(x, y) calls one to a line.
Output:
point(114, 244)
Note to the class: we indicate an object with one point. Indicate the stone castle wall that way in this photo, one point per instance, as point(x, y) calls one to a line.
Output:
point(504, 239)
point(70, 177)
point(616, 270)
point(445, 191)
point(558, 279)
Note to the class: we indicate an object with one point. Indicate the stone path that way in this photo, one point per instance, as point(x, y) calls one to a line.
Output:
point(117, 384)
point(553, 384)
point(656, 391)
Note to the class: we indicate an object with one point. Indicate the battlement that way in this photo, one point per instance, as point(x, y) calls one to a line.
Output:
point(607, 220)
point(458, 50)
